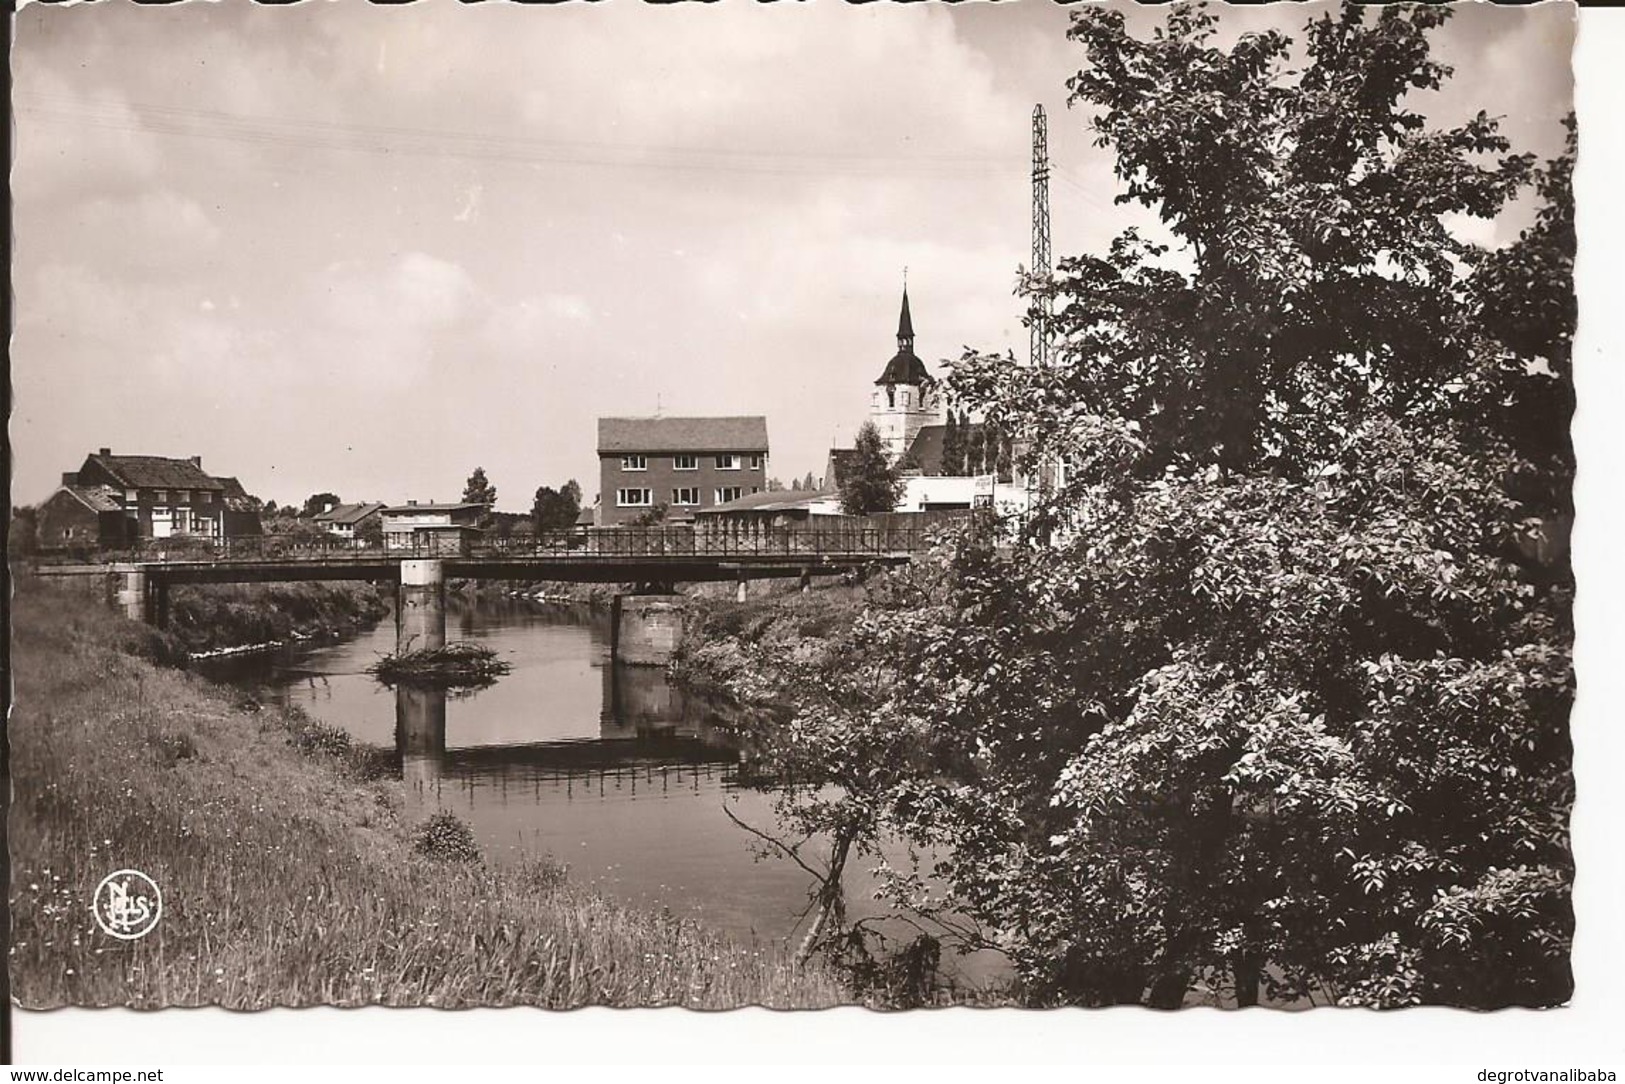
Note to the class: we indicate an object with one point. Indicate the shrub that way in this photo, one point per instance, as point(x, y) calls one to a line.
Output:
point(444, 837)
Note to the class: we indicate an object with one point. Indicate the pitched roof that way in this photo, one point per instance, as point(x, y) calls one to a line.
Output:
point(926, 451)
point(234, 496)
point(782, 500)
point(96, 498)
point(348, 514)
point(747, 433)
point(840, 460)
point(155, 472)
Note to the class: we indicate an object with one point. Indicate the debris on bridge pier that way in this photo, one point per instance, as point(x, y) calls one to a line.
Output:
point(456, 664)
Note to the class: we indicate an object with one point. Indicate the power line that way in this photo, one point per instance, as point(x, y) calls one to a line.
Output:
point(387, 140)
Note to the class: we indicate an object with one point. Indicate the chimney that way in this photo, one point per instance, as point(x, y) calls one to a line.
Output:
point(412, 503)
point(197, 461)
point(104, 451)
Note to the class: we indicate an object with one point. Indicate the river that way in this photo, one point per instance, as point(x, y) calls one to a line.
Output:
point(609, 769)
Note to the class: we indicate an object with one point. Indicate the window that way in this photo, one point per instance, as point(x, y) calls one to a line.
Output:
point(205, 497)
point(183, 496)
point(160, 496)
point(685, 462)
point(634, 462)
point(728, 493)
point(756, 462)
point(755, 489)
point(727, 462)
point(634, 498)
point(132, 495)
point(688, 495)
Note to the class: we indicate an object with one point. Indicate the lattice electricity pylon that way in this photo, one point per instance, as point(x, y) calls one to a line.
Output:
point(1038, 347)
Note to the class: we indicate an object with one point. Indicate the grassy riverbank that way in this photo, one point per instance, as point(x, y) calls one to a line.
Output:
point(288, 873)
point(721, 634)
point(209, 617)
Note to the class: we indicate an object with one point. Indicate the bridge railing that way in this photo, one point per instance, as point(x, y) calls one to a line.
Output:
point(591, 543)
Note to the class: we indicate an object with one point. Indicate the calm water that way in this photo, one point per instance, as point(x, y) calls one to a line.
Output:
point(607, 768)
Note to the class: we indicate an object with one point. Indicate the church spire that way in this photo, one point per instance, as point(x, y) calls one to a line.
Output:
point(905, 367)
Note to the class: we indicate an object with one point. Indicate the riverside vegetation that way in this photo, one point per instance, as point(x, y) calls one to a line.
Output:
point(288, 872)
point(210, 617)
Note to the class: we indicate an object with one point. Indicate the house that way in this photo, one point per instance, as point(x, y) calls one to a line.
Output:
point(82, 517)
point(242, 515)
point(431, 527)
point(686, 464)
point(342, 521)
point(135, 497)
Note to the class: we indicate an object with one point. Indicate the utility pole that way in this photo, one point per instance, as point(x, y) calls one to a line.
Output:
point(1038, 348)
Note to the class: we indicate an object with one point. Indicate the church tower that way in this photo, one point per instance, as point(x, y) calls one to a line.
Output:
point(906, 399)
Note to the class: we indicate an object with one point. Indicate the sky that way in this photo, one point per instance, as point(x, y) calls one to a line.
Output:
point(364, 249)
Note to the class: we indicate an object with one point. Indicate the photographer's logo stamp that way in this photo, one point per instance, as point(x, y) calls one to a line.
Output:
point(127, 904)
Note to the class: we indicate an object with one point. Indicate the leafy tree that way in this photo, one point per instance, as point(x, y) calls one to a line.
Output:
point(22, 540)
point(478, 490)
point(795, 485)
point(809, 483)
point(1269, 700)
point(953, 446)
point(874, 484)
point(370, 531)
point(319, 502)
point(651, 517)
point(271, 509)
point(774, 485)
point(556, 510)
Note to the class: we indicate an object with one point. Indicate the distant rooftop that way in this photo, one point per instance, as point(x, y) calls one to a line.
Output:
point(348, 514)
point(747, 433)
point(431, 506)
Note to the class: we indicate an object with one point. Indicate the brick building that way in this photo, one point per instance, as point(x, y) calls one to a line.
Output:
point(113, 501)
point(683, 463)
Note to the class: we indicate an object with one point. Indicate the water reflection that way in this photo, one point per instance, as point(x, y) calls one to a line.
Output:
point(608, 769)
point(650, 734)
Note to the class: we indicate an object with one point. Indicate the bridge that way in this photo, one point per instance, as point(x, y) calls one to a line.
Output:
point(654, 558)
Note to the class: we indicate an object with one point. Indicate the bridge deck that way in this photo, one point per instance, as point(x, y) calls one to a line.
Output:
point(655, 555)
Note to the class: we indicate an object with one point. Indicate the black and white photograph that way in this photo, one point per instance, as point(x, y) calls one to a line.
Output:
point(708, 506)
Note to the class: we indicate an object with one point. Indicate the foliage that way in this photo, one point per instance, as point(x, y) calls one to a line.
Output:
point(319, 502)
point(479, 490)
point(22, 537)
point(370, 531)
point(445, 837)
point(556, 509)
point(874, 483)
point(954, 445)
point(1267, 699)
point(459, 663)
point(651, 517)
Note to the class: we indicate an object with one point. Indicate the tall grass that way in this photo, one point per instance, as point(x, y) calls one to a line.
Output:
point(289, 877)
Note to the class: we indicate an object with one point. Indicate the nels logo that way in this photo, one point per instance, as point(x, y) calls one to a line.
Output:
point(127, 904)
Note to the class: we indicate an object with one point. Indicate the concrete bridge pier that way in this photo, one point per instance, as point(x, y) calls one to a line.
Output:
point(130, 592)
point(420, 611)
point(645, 630)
